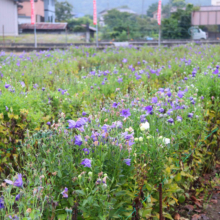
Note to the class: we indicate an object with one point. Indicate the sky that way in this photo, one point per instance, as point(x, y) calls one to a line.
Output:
point(139, 6)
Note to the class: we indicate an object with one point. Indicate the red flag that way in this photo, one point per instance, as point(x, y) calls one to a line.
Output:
point(32, 12)
point(159, 13)
point(94, 13)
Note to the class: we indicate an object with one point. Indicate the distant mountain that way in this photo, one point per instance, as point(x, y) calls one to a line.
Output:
point(86, 6)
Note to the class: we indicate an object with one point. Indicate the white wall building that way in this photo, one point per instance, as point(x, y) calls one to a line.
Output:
point(49, 11)
point(8, 18)
point(215, 2)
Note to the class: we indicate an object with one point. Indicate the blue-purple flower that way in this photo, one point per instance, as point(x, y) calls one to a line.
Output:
point(125, 113)
point(72, 124)
point(18, 182)
point(78, 140)
point(115, 105)
point(65, 193)
point(84, 113)
point(86, 150)
point(124, 60)
point(127, 162)
point(190, 115)
point(86, 162)
point(179, 118)
point(17, 197)
point(154, 100)
point(2, 203)
point(180, 94)
point(149, 109)
point(7, 85)
point(170, 120)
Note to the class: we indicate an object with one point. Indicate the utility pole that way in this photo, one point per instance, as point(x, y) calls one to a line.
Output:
point(142, 8)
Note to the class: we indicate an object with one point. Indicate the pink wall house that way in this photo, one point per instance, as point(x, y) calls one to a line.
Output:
point(26, 10)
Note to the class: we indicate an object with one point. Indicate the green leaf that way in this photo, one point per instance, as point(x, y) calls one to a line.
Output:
point(62, 216)
point(71, 201)
point(80, 192)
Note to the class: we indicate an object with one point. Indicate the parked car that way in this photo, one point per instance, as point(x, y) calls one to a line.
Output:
point(197, 33)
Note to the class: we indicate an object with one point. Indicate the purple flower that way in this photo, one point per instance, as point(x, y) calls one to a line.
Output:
point(169, 94)
point(120, 80)
point(22, 84)
point(86, 150)
point(84, 113)
point(170, 120)
point(7, 85)
point(18, 182)
point(43, 88)
point(180, 94)
point(115, 105)
point(154, 100)
point(124, 60)
point(128, 162)
point(6, 108)
point(125, 113)
point(65, 193)
point(202, 97)
point(161, 110)
point(185, 78)
point(17, 197)
point(86, 162)
point(48, 123)
point(190, 115)
point(15, 217)
point(78, 140)
point(215, 71)
point(72, 124)
point(35, 85)
point(149, 109)
point(2, 203)
point(179, 118)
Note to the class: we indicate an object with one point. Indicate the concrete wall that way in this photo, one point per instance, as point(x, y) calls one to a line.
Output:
point(49, 11)
point(8, 18)
point(26, 10)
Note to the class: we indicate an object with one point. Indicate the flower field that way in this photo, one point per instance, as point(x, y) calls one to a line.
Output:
point(88, 134)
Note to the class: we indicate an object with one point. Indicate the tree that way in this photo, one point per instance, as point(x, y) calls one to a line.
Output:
point(176, 27)
point(75, 24)
point(63, 11)
point(118, 23)
point(151, 9)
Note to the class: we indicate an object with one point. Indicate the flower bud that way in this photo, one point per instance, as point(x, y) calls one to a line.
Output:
point(90, 174)
point(79, 177)
point(136, 139)
point(105, 175)
point(141, 139)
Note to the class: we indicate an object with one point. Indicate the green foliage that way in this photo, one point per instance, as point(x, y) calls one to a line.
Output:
point(120, 22)
point(151, 9)
point(176, 27)
point(75, 24)
point(63, 11)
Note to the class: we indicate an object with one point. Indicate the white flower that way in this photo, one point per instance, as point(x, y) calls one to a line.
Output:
point(145, 126)
point(165, 140)
point(141, 139)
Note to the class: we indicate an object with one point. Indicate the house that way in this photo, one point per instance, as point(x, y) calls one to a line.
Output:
point(215, 2)
point(49, 11)
point(24, 12)
point(209, 17)
point(44, 11)
point(104, 12)
point(9, 17)
point(44, 27)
